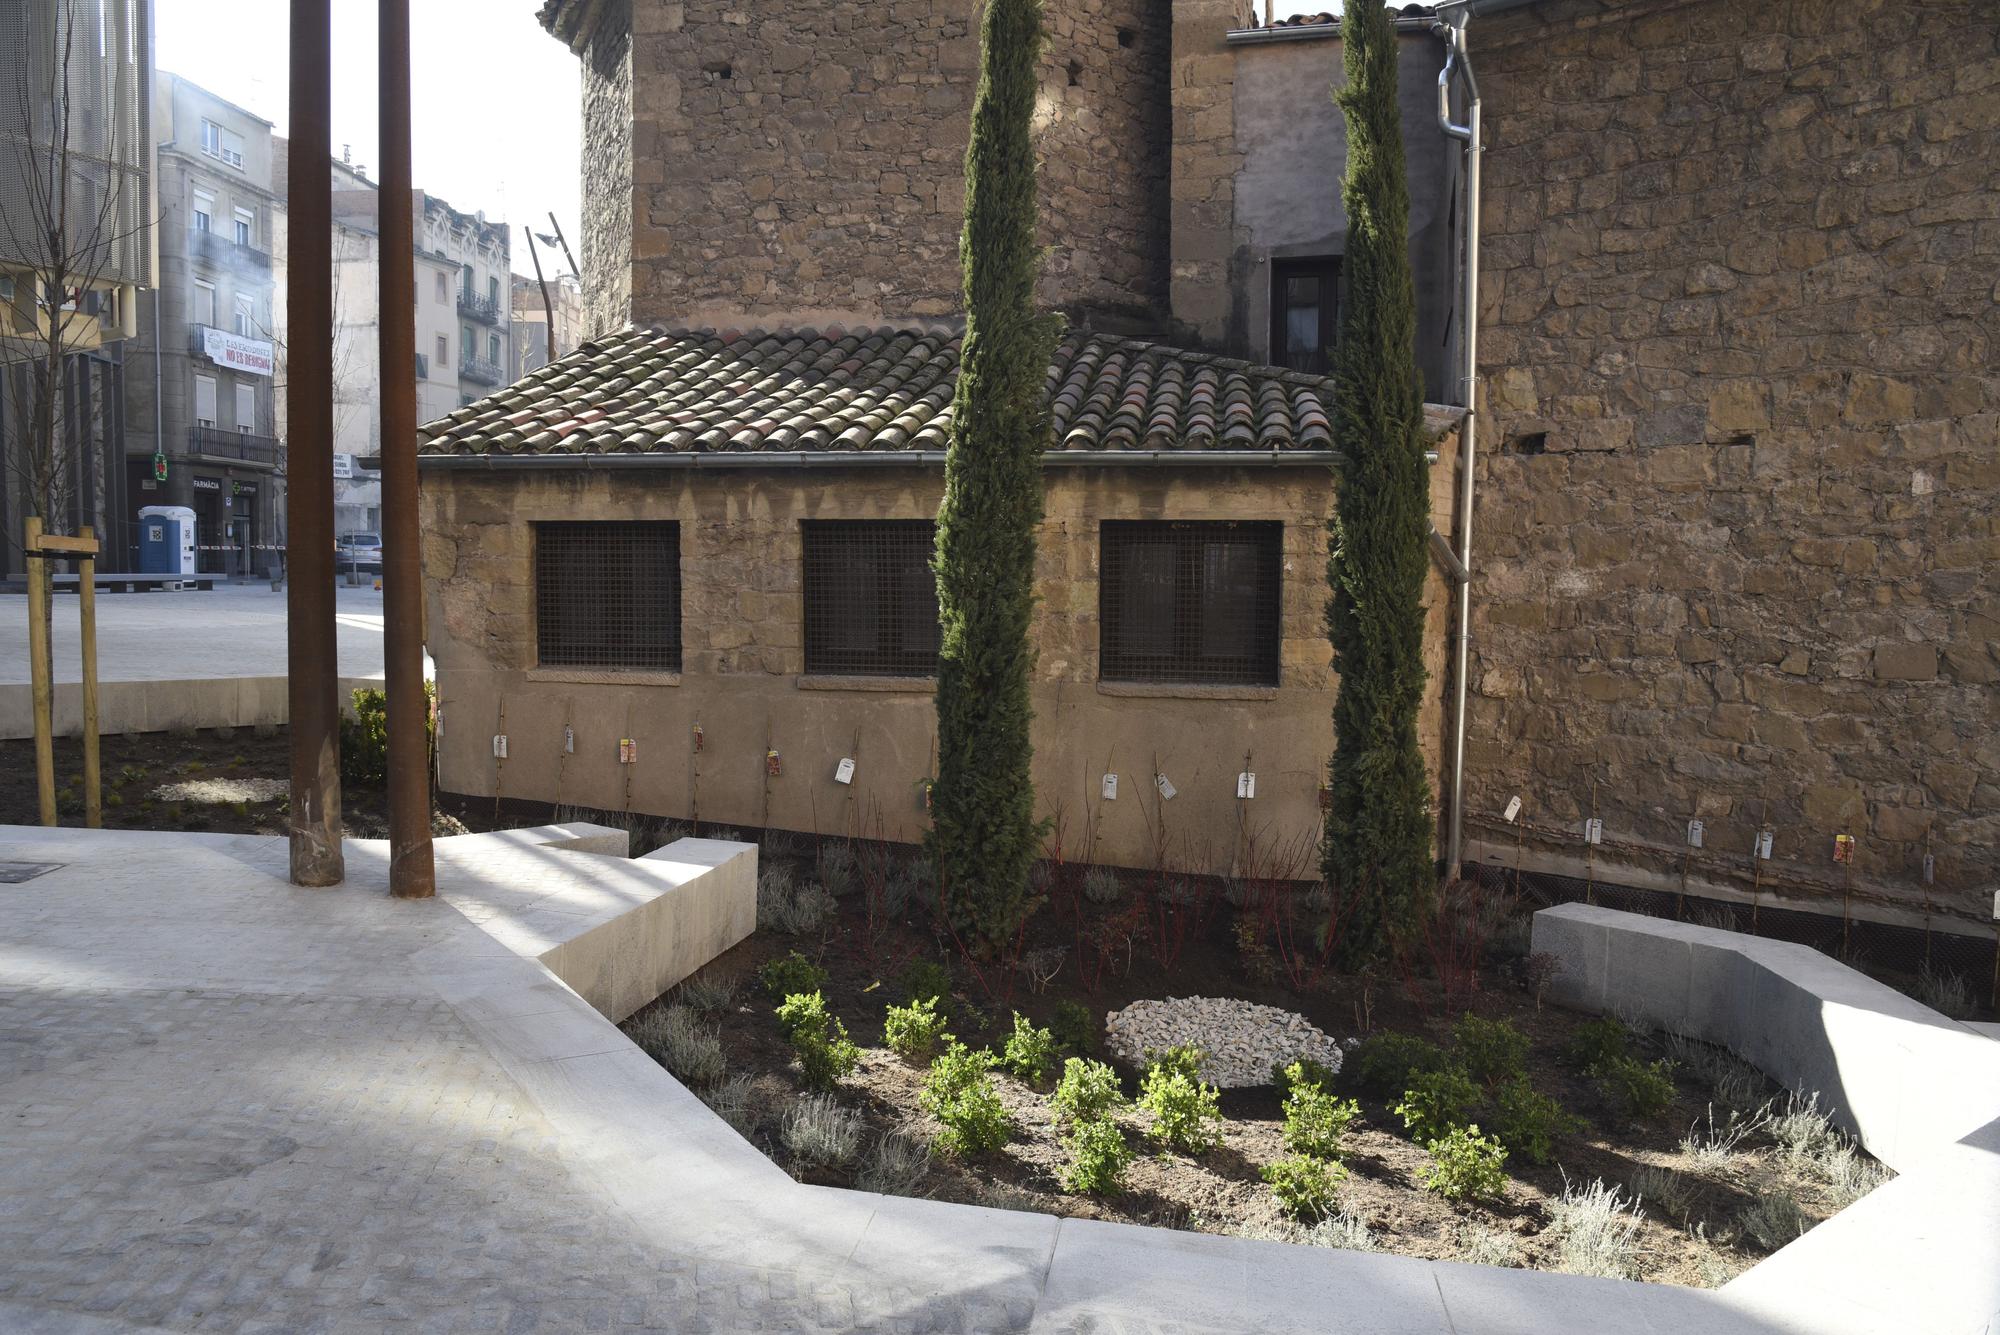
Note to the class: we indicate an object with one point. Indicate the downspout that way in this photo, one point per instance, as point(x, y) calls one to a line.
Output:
point(1452, 29)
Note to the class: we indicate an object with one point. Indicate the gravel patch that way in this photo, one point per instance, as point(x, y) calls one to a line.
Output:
point(222, 790)
point(1242, 1039)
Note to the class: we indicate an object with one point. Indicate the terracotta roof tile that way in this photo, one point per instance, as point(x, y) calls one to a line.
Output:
point(648, 390)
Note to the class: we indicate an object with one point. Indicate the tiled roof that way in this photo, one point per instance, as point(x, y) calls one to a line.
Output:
point(649, 391)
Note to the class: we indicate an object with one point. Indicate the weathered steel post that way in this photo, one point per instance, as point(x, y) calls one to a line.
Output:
point(311, 648)
point(412, 872)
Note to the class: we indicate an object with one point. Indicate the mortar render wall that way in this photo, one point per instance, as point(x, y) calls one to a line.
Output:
point(743, 658)
point(805, 164)
point(1739, 291)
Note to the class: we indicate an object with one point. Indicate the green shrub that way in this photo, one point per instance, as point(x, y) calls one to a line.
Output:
point(1598, 1041)
point(364, 738)
point(1187, 1114)
point(1097, 1154)
point(791, 975)
point(958, 1091)
point(1640, 1090)
point(1075, 1027)
point(927, 980)
point(1029, 1053)
point(1087, 1091)
point(1385, 1064)
point(1490, 1051)
point(1466, 1166)
point(1185, 1059)
point(1528, 1121)
point(1304, 1184)
point(1436, 1104)
point(1315, 1121)
point(819, 1038)
point(1288, 1076)
point(914, 1031)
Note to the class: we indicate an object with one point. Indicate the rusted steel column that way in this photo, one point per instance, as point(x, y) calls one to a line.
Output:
point(311, 653)
point(412, 874)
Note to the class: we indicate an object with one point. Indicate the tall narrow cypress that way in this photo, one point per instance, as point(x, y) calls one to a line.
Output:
point(984, 834)
point(1379, 823)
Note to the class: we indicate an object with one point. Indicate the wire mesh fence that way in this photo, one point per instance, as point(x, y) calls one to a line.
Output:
point(608, 594)
point(870, 597)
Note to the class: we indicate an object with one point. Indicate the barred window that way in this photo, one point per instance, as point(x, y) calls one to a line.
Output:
point(870, 598)
point(1189, 602)
point(608, 594)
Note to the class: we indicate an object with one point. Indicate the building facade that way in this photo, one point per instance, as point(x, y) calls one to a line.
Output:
point(479, 355)
point(202, 376)
point(532, 307)
point(71, 304)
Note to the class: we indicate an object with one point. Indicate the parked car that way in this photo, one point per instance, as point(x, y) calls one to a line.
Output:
point(358, 551)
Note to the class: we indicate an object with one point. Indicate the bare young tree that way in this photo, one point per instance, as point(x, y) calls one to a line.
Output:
point(67, 224)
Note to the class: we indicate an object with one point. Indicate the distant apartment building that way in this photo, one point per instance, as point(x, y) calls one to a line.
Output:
point(203, 374)
point(463, 341)
point(532, 308)
point(102, 150)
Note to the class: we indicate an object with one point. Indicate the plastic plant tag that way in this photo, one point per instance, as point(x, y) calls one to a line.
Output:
point(628, 751)
point(697, 738)
point(1843, 848)
point(569, 740)
point(1110, 788)
point(1695, 830)
point(1166, 787)
point(1246, 785)
point(844, 771)
point(1593, 831)
point(1764, 845)
point(1513, 810)
point(499, 746)
point(773, 766)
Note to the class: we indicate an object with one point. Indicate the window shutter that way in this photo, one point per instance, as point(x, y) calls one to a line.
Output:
point(204, 400)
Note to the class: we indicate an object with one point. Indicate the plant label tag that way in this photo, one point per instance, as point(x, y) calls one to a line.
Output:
point(1695, 832)
point(1513, 810)
point(1843, 848)
point(1930, 869)
point(569, 740)
point(697, 738)
point(628, 751)
point(844, 771)
point(1593, 831)
point(1166, 787)
point(1764, 845)
point(1110, 788)
point(499, 746)
point(1246, 785)
point(1996, 906)
point(773, 766)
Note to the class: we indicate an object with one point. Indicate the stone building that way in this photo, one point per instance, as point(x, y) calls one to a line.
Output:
point(1736, 490)
point(532, 340)
point(200, 377)
point(1739, 487)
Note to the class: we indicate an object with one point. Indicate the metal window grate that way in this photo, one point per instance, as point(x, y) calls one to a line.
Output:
point(1187, 602)
point(870, 597)
point(608, 594)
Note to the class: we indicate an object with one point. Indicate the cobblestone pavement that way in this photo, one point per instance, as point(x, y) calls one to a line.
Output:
point(227, 1104)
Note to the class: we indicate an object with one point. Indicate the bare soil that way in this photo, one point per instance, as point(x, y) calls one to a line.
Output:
point(1221, 1191)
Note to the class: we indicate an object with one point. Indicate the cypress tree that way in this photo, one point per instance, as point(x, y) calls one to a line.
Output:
point(984, 834)
point(1379, 824)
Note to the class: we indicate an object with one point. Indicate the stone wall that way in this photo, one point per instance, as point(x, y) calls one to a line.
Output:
point(743, 661)
point(807, 163)
point(1739, 498)
point(608, 174)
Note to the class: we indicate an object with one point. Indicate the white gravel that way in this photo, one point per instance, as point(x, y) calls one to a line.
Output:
point(223, 790)
point(1242, 1039)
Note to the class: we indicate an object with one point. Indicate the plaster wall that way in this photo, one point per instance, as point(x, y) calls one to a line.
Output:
point(743, 681)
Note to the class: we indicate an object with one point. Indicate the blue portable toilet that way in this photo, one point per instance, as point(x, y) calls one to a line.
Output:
point(166, 540)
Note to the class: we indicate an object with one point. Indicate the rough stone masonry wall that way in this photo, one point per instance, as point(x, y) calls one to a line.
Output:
point(1739, 504)
point(607, 174)
point(806, 162)
point(743, 661)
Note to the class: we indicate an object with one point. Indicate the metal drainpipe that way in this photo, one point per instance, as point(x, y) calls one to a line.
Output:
point(1452, 29)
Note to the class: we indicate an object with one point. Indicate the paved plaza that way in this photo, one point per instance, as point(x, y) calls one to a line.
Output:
point(235, 1105)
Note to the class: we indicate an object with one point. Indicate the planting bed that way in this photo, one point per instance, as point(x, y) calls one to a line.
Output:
point(1703, 1217)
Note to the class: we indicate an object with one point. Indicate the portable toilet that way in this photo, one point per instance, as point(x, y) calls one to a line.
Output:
point(166, 540)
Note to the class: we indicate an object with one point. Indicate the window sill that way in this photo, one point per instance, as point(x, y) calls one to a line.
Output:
point(606, 676)
point(822, 681)
point(1178, 690)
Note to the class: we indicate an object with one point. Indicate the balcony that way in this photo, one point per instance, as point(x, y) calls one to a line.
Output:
point(480, 371)
point(223, 253)
point(475, 307)
point(222, 443)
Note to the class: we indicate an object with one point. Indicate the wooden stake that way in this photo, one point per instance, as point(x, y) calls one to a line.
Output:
point(38, 670)
point(86, 593)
